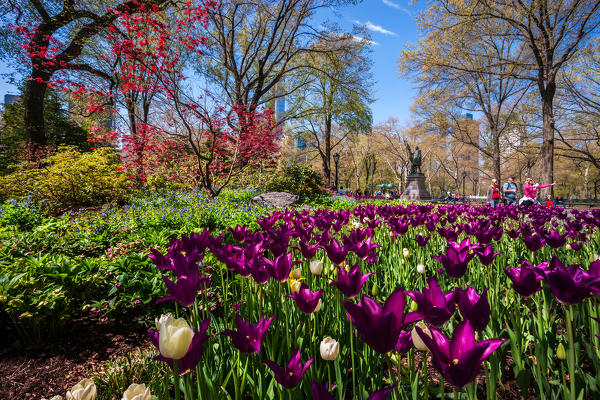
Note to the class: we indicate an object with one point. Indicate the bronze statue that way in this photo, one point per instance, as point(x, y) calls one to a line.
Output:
point(414, 158)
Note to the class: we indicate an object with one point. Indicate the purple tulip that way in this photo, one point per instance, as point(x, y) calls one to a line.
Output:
point(290, 376)
point(570, 285)
point(281, 267)
point(405, 342)
point(458, 359)
point(349, 283)
point(487, 255)
point(248, 337)
point(457, 258)
point(555, 239)
point(320, 391)
point(383, 394)
point(422, 240)
point(533, 242)
point(435, 307)
point(194, 353)
point(576, 246)
point(379, 326)
point(186, 288)
point(308, 250)
point(474, 307)
point(336, 253)
point(306, 300)
point(179, 264)
point(525, 280)
point(239, 233)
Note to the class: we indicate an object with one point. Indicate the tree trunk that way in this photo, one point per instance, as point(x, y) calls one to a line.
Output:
point(496, 154)
point(327, 154)
point(35, 92)
point(548, 137)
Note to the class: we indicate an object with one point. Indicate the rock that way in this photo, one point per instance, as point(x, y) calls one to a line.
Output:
point(277, 199)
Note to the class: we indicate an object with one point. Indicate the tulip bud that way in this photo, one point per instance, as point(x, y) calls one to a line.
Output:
point(174, 338)
point(568, 247)
point(417, 341)
point(316, 267)
point(296, 273)
point(295, 286)
point(347, 268)
point(329, 349)
point(405, 252)
point(84, 390)
point(319, 305)
point(413, 306)
point(420, 268)
point(561, 353)
point(374, 290)
point(137, 392)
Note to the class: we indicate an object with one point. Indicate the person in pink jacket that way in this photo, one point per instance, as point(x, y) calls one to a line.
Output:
point(529, 189)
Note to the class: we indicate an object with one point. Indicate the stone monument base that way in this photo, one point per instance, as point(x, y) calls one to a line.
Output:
point(415, 188)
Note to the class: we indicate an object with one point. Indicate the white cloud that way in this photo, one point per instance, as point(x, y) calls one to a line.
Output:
point(362, 39)
point(397, 6)
point(375, 28)
point(378, 28)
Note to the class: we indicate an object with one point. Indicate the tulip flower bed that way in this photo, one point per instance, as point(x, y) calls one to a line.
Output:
point(347, 304)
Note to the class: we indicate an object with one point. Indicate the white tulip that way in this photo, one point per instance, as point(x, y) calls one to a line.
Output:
point(319, 305)
point(316, 267)
point(329, 349)
point(296, 273)
point(295, 286)
point(84, 390)
point(137, 392)
point(417, 341)
point(405, 252)
point(174, 336)
point(421, 268)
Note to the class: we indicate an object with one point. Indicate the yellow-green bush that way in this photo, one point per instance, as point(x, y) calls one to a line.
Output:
point(70, 179)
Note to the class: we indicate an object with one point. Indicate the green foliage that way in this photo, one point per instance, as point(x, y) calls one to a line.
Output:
point(70, 179)
point(23, 215)
point(61, 130)
point(136, 367)
point(298, 180)
point(94, 261)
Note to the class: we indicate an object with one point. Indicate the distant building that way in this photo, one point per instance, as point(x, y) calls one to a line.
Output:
point(11, 98)
point(300, 143)
point(279, 108)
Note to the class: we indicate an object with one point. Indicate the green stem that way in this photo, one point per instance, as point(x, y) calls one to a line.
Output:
point(176, 378)
point(571, 353)
point(352, 357)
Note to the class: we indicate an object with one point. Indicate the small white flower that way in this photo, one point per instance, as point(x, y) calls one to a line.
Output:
point(421, 268)
point(417, 341)
point(329, 349)
point(316, 267)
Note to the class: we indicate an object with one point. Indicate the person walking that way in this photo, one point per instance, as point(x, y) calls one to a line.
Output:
point(530, 189)
point(493, 194)
point(509, 192)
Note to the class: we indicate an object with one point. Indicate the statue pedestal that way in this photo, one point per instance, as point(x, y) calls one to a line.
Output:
point(415, 188)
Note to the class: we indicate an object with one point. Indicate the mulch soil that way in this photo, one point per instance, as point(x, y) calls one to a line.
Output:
point(51, 368)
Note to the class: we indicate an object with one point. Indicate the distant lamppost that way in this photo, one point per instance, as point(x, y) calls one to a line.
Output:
point(464, 176)
point(336, 159)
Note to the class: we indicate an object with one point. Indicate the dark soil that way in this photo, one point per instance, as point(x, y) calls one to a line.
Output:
point(52, 368)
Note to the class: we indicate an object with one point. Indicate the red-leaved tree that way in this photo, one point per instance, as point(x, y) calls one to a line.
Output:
point(223, 141)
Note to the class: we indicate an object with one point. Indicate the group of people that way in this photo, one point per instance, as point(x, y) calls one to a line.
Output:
point(509, 192)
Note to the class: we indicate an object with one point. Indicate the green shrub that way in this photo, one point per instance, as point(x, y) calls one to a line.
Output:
point(298, 180)
point(70, 179)
point(23, 215)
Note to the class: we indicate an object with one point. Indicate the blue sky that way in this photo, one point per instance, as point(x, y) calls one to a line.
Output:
point(392, 26)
